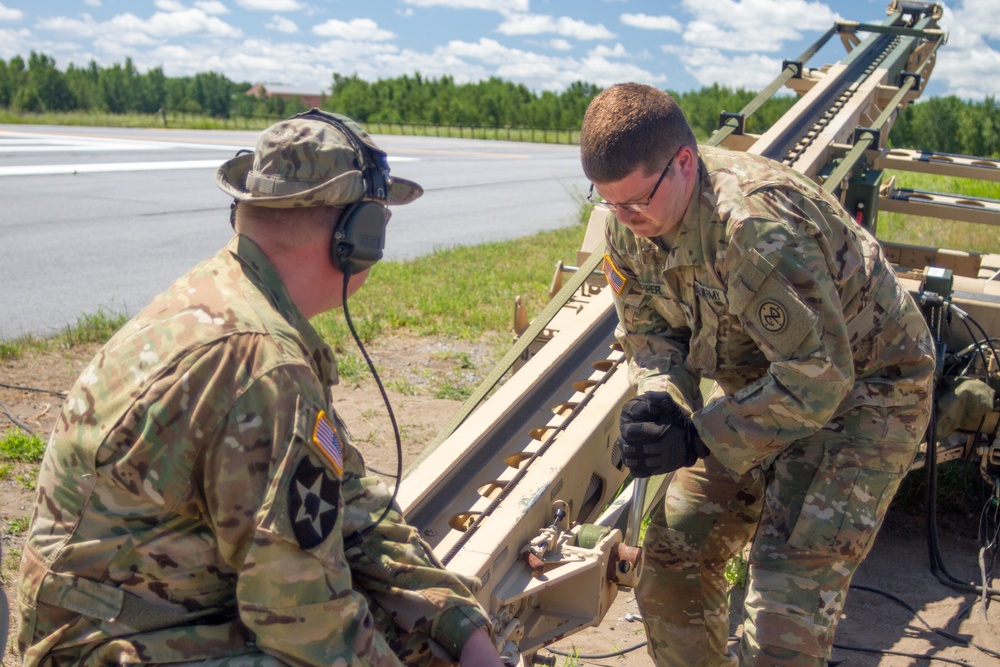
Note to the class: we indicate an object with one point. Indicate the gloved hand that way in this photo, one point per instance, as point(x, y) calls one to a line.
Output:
point(656, 436)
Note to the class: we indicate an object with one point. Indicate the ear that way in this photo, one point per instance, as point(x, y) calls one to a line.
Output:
point(687, 159)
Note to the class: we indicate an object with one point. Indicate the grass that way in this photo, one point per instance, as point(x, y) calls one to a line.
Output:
point(195, 121)
point(931, 232)
point(16, 445)
point(465, 293)
point(94, 119)
point(97, 327)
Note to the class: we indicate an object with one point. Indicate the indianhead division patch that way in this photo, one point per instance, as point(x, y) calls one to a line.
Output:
point(614, 276)
point(325, 437)
point(313, 504)
point(772, 316)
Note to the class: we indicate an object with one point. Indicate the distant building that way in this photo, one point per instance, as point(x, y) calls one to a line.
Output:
point(312, 97)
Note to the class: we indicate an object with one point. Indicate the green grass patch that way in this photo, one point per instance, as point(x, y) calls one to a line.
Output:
point(172, 119)
point(462, 292)
point(936, 233)
point(97, 327)
point(16, 445)
point(9, 351)
point(17, 525)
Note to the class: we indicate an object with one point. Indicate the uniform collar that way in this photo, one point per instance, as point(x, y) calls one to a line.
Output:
point(261, 272)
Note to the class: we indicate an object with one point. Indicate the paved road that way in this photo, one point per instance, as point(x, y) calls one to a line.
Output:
point(108, 217)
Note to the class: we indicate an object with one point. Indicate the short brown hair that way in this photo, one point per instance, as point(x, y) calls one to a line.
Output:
point(285, 229)
point(630, 125)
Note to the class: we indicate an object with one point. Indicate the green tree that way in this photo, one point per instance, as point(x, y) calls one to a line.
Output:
point(49, 83)
point(117, 87)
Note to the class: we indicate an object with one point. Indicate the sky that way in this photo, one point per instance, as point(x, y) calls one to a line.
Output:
point(547, 45)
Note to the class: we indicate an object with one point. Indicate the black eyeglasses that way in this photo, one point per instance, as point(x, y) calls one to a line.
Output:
point(634, 207)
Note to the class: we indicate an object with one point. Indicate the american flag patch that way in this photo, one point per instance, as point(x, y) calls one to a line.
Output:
point(326, 439)
point(614, 276)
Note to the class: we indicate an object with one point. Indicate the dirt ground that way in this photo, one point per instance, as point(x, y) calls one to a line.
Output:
point(886, 632)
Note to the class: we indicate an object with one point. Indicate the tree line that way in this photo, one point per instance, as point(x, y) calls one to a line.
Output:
point(947, 124)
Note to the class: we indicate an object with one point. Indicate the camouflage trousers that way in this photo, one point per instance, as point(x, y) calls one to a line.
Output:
point(411, 649)
point(813, 512)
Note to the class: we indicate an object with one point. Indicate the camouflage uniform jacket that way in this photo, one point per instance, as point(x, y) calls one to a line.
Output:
point(770, 289)
point(197, 493)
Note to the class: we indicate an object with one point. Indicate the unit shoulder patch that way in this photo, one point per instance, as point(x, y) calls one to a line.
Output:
point(313, 504)
point(772, 316)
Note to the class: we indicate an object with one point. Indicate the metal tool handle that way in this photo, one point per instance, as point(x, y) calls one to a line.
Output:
point(636, 511)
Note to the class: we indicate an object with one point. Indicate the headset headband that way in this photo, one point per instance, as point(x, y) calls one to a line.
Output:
point(374, 165)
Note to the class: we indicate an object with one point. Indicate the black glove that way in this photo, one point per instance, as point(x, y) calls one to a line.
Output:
point(657, 437)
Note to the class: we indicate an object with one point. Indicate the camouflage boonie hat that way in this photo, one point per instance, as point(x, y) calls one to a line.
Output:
point(308, 161)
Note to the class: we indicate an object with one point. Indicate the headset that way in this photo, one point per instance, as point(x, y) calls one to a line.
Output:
point(359, 235)
point(357, 243)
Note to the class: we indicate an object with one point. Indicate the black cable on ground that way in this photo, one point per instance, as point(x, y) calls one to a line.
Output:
point(60, 394)
point(15, 420)
point(915, 656)
point(598, 656)
point(942, 633)
point(937, 564)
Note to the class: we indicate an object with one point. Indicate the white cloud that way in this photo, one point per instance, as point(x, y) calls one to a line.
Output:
point(10, 14)
point(501, 6)
point(161, 25)
point(739, 25)
point(85, 26)
point(710, 35)
point(560, 44)
point(668, 23)
point(170, 5)
point(271, 5)
point(175, 24)
point(92, 3)
point(537, 24)
point(13, 43)
point(602, 51)
point(968, 63)
point(541, 72)
point(979, 15)
point(281, 24)
point(211, 7)
point(357, 30)
point(751, 71)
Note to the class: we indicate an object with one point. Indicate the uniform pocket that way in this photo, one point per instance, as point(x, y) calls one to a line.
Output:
point(845, 505)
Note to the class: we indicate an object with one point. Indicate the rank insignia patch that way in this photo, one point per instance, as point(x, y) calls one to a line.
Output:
point(313, 504)
point(614, 276)
point(325, 437)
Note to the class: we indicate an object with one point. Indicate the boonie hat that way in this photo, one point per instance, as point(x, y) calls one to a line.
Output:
point(308, 161)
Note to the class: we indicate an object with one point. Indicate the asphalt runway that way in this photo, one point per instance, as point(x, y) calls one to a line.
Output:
point(108, 217)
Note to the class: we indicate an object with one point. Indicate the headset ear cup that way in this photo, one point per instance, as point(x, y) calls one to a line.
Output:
point(359, 237)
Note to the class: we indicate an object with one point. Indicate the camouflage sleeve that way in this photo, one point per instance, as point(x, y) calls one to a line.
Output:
point(399, 571)
point(274, 498)
point(781, 288)
point(655, 350)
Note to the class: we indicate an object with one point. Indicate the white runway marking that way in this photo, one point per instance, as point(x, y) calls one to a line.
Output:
point(28, 143)
point(96, 168)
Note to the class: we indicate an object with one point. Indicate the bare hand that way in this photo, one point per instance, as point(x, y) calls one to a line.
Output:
point(479, 651)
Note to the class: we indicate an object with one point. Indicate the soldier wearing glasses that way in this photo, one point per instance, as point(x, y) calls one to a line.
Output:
point(730, 267)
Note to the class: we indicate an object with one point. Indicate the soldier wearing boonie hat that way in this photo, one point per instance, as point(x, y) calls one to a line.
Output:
point(200, 500)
